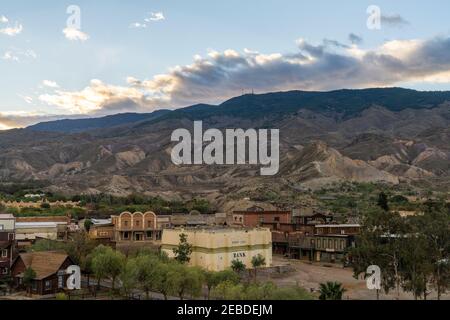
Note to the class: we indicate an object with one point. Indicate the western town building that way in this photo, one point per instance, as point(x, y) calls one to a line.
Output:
point(30, 229)
point(256, 216)
point(50, 269)
point(7, 243)
point(102, 230)
point(215, 248)
point(137, 227)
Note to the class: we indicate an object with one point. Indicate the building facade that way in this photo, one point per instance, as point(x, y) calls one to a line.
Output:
point(50, 269)
point(137, 227)
point(215, 248)
point(7, 243)
point(256, 216)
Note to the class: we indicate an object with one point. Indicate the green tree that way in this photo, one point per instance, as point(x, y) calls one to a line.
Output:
point(128, 277)
point(88, 224)
point(146, 273)
point(185, 280)
point(383, 201)
point(183, 251)
point(107, 263)
point(238, 266)
point(382, 243)
point(331, 291)
point(213, 279)
point(258, 261)
point(28, 277)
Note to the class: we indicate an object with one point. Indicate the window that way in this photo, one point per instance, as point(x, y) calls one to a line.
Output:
point(48, 285)
point(11, 236)
point(137, 223)
point(125, 223)
point(276, 219)
point(34, 285)
point(4, 253)
point(5, 271)
point(2, 227)
point(126, 235)
point(149, 224)
point(149, 235)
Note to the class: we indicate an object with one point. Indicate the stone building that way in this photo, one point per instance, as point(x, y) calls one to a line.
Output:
point(215, 248)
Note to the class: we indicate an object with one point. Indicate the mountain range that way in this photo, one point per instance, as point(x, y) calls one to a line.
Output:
point(390, 135)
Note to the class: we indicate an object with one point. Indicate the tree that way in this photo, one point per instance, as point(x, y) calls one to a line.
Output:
point(434, 224)
point(185, 280)
point(128, 277)
point(183, 251)
point(107, 263)
point(28, 277)
point(163, 283)
point(257, 262)
point(237, 266)
point(213, 279)
point(146, 269)
point(331, 291)
point(383, 201)
point(88, 224)
point(382, 243)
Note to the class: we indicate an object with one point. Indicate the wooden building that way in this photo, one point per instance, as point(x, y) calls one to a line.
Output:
point(50, 268)
point(255, 216)
point(7, 243)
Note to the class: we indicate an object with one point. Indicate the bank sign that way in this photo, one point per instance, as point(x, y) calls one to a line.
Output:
point(237, 255)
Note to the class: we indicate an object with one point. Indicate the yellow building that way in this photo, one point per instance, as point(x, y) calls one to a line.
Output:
point(215, 248)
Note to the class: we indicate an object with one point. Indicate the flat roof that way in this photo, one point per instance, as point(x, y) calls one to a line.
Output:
point(214, 229)
point(6, 216)
point(338, 226)
point(36, 224)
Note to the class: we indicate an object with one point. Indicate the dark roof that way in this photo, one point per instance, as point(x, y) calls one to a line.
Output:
point(44, 264)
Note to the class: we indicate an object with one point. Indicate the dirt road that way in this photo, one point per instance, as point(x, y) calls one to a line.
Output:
point(309, 276)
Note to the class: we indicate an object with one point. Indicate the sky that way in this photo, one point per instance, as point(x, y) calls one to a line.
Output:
point(71, 59)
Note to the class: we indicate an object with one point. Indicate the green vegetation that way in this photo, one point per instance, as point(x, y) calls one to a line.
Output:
point(258, 262)
point(413, 253)
point(228, 290)
point(183, 251)
point(54, 211)
point(237, 266)
point(28, 277)
point(331, 291)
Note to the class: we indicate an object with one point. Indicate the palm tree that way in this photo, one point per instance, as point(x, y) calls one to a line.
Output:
point(331, 291)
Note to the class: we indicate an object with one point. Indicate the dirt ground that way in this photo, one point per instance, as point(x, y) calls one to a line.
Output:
point(310, 275)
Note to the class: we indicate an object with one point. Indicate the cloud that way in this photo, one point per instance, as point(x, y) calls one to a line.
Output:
point(12, 31)
point(27, 99)
point(74, 34)
point(17, 55)
point(3, 19)
point(220, 75)
point(394, 20)
point(50, 84)
point(10, 120)
point(138, 25)
point(155, 16)
point(355, 39)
